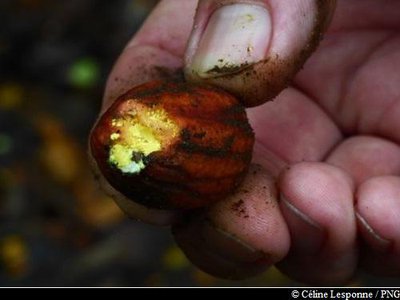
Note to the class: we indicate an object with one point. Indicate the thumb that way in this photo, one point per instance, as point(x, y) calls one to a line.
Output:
point(253, 48)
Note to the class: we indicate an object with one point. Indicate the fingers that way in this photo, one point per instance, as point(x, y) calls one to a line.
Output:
point(253, 48)
point(378, 212)
point(353, 74)
point(366, 156)
point(317, 204)
point(240, 236)
point(297, 130)
point(371, 160)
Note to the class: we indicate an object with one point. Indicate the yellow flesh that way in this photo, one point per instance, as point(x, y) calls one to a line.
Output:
point(143, 131)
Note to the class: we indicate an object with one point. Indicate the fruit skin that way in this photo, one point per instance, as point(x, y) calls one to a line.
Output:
point(204, 163)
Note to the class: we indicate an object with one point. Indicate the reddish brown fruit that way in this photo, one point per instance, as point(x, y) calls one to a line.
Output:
point(173, 145)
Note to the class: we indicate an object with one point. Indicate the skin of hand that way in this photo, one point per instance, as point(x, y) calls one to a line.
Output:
point(322, 198)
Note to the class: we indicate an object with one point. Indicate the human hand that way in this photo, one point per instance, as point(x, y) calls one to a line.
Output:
point(329, 139)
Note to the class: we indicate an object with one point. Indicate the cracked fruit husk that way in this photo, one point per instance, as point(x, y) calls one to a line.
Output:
point(173, 145)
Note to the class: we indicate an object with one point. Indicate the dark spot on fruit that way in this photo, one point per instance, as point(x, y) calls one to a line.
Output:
point(199, 135)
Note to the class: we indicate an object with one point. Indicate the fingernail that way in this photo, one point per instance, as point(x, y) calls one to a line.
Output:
point(307, 236)
point(235, 37)
point(373, 239)
point(229, 246)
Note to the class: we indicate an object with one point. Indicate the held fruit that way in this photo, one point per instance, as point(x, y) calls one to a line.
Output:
point(173, 145)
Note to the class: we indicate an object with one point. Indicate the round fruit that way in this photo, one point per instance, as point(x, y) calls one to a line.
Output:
point(173, 145)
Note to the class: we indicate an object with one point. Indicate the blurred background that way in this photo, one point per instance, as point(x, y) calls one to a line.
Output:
point(56, 227)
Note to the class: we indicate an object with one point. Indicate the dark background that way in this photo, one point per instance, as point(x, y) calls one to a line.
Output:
point(56, 227)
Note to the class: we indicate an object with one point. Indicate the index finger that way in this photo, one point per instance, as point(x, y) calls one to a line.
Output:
point(156, 51)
